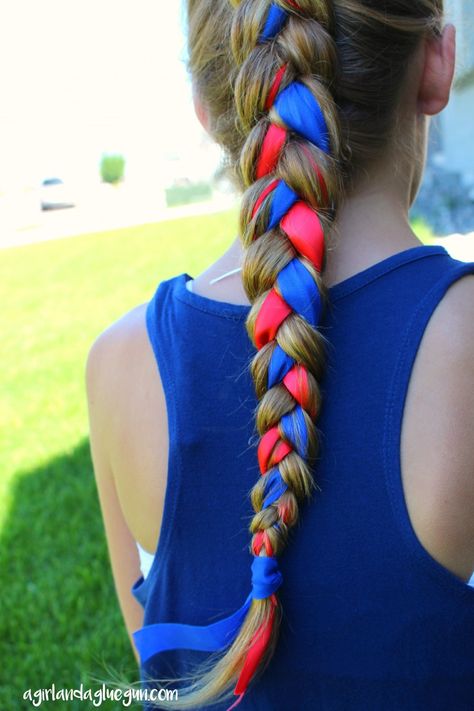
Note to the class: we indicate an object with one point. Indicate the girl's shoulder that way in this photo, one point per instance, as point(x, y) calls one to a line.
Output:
point(125, 387)
point(437, 456)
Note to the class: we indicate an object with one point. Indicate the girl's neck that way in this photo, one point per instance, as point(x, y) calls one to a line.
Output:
point(370, 226)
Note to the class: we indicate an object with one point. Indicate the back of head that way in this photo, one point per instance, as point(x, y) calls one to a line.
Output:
point(304, 96)
point(356, 52)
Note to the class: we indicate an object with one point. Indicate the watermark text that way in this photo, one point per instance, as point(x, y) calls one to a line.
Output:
point(97, 697)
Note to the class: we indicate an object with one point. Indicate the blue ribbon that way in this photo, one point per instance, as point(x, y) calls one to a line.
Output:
point(160, 637)
point(283, 198)
point(276, 18)
point(274, 487)
point(301, 112)
point(280, 364)
point(266, 578)
point(163, 636)
point(294, 428)
point(300, 291)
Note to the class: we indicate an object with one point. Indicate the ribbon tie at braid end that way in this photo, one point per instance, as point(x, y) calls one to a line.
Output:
point(266, 579)
point(155, 638)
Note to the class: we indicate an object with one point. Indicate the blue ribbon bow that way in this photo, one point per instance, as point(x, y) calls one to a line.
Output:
point(163, 636)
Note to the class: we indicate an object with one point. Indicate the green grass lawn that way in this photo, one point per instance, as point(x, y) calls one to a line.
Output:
point(59, 620)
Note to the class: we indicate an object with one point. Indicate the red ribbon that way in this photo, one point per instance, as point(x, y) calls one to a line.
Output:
point(265, 193)
point(275, 87)
point(258, 645)
point(271, 315)
point(296, 382)
point(304, 229)
point(271, 449)
point(273, 142)
point(261, 539)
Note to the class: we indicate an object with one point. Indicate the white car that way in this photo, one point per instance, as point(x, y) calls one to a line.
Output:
point(55, 194)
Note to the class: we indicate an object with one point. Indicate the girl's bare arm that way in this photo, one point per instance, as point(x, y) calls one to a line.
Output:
point(121, 545)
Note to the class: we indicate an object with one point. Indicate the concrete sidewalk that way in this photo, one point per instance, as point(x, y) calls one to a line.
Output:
point(110, 214)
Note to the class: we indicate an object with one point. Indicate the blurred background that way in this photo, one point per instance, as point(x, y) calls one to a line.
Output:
point(109, 185)
point(96, 125)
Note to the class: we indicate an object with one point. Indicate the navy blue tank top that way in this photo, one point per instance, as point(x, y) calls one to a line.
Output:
point(371, 621)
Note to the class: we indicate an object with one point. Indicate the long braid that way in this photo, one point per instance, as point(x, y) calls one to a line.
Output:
point(289, 167)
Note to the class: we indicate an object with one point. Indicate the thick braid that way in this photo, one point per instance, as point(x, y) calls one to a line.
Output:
point(289, 167)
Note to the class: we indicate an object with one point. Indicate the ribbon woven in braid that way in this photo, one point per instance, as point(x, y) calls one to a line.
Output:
point(297, 293)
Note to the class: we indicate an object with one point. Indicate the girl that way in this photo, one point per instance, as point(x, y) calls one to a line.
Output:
point(324, 364)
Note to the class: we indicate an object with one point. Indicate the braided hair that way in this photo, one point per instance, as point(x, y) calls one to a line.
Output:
point(301, 108)
point(289, 167)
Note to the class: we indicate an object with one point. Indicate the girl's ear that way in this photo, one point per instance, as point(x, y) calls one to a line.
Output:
point(201, 112)
point(437, 77)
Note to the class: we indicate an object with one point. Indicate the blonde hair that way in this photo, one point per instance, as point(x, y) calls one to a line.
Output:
point(351, 56)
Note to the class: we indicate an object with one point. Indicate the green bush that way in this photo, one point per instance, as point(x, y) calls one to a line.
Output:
point(112, 168)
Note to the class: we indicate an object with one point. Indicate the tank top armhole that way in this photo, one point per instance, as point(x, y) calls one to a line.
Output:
point(153, 319)
point(417, 555)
